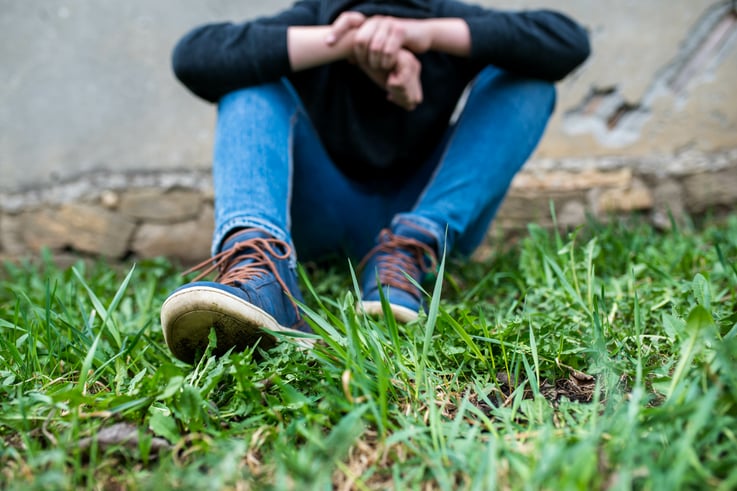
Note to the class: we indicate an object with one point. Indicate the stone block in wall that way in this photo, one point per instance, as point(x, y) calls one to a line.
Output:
point(110, 199)
point(571, 214)
point(562, 181)
point(11, 236)
point(208, 195)
point(523, 207)
point(635, 197)
point(519, 209)
point(531, 193)
point(188, 242)
point(154, 204)
point(82, 227)
point(710, 189)
point(668, 196)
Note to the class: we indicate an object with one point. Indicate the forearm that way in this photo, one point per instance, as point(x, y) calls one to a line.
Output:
point(214, 59)
point(537, 43)
point(447, 35)
point(307, 47)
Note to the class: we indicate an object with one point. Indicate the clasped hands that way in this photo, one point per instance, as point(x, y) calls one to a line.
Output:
point(384, 48)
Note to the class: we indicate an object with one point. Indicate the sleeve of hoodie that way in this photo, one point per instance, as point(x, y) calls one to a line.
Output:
point(214, 59)
point(540, 43)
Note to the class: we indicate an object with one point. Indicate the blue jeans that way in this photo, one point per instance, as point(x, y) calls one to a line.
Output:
point(271, 171)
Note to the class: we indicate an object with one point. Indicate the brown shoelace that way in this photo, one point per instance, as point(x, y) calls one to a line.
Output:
point(393, 264)
point(262, 250)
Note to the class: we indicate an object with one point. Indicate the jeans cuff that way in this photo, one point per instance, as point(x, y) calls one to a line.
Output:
point(439, 233)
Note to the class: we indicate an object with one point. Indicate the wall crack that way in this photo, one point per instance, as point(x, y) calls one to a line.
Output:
point(617, 122)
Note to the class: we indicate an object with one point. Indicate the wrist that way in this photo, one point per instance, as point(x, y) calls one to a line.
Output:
point(344, 46)
point(419, 35)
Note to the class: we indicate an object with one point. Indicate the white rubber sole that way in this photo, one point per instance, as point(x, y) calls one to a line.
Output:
point(402, 314)
point(188, 315)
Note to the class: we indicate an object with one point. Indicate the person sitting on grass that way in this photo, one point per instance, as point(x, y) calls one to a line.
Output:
point(383, 130)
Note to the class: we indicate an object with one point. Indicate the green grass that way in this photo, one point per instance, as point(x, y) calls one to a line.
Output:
point(601, 359)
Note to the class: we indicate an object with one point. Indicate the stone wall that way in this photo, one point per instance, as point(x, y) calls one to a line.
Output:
point(659, 188)
point(102, 152)
point(132, 216)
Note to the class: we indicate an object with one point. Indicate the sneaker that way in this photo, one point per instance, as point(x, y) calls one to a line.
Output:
point(253, 290)
point(404, 251)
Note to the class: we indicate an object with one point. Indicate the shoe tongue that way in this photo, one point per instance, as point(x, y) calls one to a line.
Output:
point(415, 232)
point(412, 231)
point(243, 235)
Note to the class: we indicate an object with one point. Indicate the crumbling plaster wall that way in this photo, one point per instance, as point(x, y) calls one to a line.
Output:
point(103, 152)
point(674, 84)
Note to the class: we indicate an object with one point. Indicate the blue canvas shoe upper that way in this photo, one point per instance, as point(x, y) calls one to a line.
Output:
point(253, 291)
point(405, 250)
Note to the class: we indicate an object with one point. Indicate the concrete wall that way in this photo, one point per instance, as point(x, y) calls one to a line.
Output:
point(91, 117)
point(86, 86)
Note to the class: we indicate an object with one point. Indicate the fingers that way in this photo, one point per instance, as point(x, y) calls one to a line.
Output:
point(391, 49)
point(403, 85)
point(406, 96)
point(407, 101)
point(378, 42)
point(362, 40)
point(376, 52)
point(401, 100)
point(344, 24)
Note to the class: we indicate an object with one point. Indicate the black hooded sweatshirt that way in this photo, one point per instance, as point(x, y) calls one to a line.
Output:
point(367, 136)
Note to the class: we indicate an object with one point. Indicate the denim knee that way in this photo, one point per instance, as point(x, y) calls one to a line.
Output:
point(537, 93)
point(265, 100)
